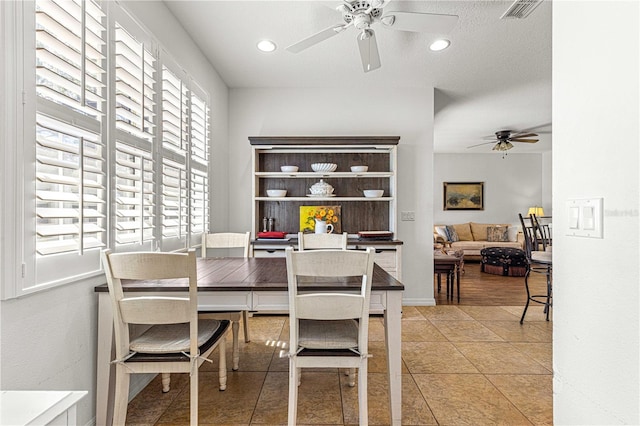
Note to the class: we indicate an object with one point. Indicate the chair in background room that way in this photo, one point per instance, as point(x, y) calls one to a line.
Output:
point(329, 330)
point(542, 234)
point(177, 341)
point(322, 241)
point(229, 240)
point(540, 262)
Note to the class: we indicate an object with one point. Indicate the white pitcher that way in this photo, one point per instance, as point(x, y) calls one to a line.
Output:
point(322, 227)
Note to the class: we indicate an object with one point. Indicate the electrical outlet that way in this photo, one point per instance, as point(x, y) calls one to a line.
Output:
point(408, 216)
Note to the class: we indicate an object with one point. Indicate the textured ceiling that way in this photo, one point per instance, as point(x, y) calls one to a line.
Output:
point(495, 75)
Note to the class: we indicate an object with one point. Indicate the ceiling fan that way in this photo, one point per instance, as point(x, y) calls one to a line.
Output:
point(504, 138)
point(362, 14)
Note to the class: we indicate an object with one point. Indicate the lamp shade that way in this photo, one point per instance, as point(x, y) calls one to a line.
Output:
point(536, 211)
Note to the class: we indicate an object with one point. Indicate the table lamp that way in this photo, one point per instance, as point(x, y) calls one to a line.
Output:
point(536, 211)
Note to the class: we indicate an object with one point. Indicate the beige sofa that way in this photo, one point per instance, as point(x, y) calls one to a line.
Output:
point(473, 237)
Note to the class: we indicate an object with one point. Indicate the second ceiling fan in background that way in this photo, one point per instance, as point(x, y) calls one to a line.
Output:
point(365, 13)
point(504, 138)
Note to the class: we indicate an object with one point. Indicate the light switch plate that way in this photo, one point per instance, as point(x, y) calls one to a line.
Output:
point(407, 216)
point(585, 217)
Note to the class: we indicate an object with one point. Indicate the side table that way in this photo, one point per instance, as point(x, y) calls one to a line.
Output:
point(450, 264)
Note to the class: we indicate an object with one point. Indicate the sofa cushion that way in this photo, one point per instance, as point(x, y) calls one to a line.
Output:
point(452, 234)
point(497, 234)
point(464, 232)
point(512, 233)
point(479, 230)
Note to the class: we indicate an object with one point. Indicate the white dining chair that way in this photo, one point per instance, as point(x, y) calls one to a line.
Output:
point(229, 240)
point(176, 341)
point(311, 241)
point(329, 330)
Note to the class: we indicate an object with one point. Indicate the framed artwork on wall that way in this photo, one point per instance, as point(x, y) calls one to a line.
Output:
point(463, 195)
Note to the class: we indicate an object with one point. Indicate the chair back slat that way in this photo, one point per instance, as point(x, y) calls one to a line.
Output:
point(150, 266)
point(155, 310)
point(330, 263)
point(329, 306)
point(322, 241)
point(228, 240)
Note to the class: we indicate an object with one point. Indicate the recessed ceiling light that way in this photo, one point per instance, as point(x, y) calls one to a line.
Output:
point(439, 45)
point(266, 46)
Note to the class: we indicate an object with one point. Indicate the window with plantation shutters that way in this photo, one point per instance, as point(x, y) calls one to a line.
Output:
point(135, 197)
point(130, 173)
point(70, 188)
point(135, 80)
point(70, 58)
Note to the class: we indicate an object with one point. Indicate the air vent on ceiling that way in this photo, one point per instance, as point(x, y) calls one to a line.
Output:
point(520, 9)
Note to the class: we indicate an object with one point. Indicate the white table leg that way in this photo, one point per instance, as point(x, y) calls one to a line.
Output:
point(393, 339)
point(104, 378)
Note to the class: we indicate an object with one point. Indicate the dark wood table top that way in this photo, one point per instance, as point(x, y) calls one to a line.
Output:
point(254, 274)
point(293, 241)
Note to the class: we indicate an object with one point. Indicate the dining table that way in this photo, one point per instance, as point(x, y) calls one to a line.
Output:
point(252, 284)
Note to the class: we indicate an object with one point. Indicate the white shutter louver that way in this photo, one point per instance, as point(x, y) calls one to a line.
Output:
point(135, 198)
point(135, 80)
point(70, 188)
point(174, 201)
point(199, 130)
point(70, 60)
point(199, 203)
point(175, 112)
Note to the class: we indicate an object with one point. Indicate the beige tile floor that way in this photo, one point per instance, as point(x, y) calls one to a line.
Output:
point(462, 365)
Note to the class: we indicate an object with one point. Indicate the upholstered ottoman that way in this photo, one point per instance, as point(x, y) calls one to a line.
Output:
point(505, 261)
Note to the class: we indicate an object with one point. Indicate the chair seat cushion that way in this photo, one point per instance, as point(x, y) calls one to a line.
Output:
point(322, 334)
point(171, 338)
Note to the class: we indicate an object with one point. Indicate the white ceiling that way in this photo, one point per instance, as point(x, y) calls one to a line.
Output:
point(495, 75)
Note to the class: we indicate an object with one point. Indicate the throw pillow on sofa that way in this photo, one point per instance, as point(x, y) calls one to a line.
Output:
point(452, 234)
point(442, 231)
point(497, 234)
point(512, 231)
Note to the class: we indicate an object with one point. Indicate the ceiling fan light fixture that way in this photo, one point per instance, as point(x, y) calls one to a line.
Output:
point(503, 146)
point(266, 46)
point(365, 34)
point(388, 20)
point(439, 45)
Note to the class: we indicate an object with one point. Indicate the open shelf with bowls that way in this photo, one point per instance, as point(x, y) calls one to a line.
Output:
point(340, 169)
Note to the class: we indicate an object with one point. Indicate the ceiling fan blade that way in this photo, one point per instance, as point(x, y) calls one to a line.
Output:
point(368, 50)
point(317, 38)
point(420, 22)
point(480, 144)
point(523, 140)
point(522, 135)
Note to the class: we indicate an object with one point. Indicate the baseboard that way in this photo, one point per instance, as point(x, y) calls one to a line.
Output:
point(427, 301)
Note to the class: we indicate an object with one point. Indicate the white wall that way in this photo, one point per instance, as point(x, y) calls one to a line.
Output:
point(596, 324)
point(407, 113)
point(511, 185)
point(48, 340)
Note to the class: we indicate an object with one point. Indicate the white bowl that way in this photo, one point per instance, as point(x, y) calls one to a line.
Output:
point(289, 168)
point(276, 192)
point(359, 169)
point(324, 167)
point(373, 193)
